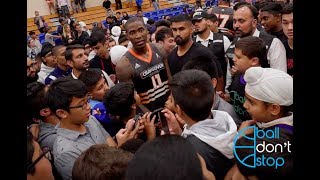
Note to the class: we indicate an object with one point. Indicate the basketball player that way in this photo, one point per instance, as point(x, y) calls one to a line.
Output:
point(144, 65)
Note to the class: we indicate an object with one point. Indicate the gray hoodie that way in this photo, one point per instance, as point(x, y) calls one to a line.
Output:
point(218, 132)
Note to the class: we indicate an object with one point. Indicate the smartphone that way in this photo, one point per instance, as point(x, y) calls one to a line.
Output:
point(160, 118)
point(136, 119)
point(156, 113)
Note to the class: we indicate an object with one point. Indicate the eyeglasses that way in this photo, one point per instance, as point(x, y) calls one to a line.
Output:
point(46, 152)
point(83, 106)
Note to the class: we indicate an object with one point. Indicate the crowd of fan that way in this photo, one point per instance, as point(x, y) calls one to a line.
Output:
point(139, 99)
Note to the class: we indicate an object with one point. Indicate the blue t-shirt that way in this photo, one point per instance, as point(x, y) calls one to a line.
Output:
point(99, 111)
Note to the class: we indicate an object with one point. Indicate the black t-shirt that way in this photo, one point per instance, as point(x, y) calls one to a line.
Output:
point(197, 49)
point(237, 95)
point(117, 22)
point(280, 35)
point(216, 162)
point(80, 39)
point(289, 54)
point(103, 64)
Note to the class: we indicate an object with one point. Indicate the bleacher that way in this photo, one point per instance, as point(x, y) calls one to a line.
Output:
point(98, 13)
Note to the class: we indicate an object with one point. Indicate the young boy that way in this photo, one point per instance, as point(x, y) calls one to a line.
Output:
point(269, 94)
point(211, 132)
point(123, 104)
point(249, 52)
point(287, 26)
point(205, 64)
point(97, 88)
point(68, 99)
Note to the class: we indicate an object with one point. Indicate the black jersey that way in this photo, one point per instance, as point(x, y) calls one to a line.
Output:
point(150, 78)
point(289, 54)
point(224, 15)
point(237, 95)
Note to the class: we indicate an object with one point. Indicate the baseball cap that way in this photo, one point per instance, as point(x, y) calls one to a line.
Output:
point(198, 15)
point(46, 49)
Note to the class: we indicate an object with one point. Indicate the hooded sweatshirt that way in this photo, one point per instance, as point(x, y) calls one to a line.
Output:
point(222, 105)
point(213, 140)
point(44, 72)
point(218, 132)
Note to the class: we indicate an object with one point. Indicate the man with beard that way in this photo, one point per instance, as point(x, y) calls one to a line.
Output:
point(186, 49)
point(62, 68)
point(31, 72)
point(245, 24)
point(145, 65)
point(216, 42)
point(78, 61)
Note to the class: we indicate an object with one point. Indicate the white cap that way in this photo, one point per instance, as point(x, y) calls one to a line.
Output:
point(116, 53)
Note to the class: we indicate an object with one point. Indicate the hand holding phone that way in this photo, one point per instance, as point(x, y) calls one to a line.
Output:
point(160, 118)
point(172, 122)
point(136, 118)
point(149, 125)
